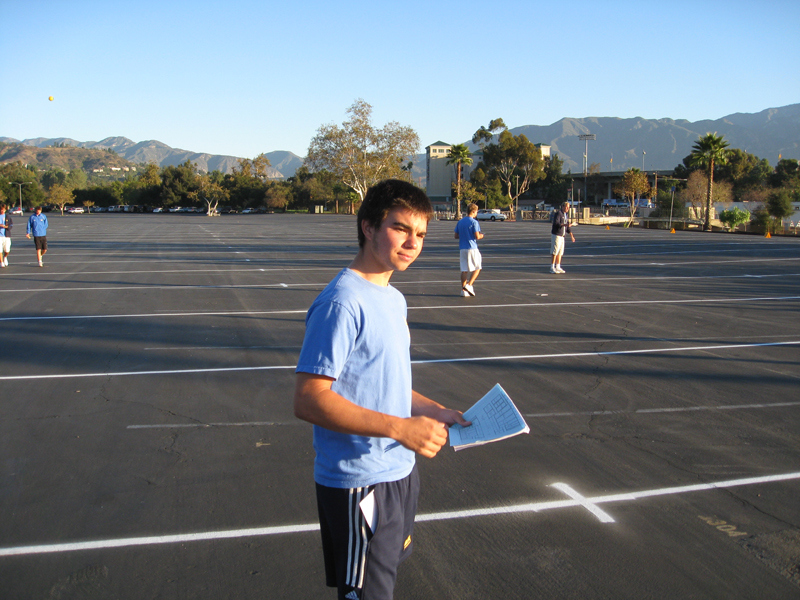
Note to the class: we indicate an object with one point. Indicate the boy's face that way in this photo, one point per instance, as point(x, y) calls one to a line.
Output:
point(398, 241)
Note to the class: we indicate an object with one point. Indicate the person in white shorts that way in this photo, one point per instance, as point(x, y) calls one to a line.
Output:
point(561, 226)
point(468, 232)
point(5, 237)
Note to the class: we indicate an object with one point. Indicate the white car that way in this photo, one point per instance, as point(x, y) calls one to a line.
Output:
point(490, 214)
point(75, 210)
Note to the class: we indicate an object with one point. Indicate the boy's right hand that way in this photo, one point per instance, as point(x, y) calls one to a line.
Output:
point(423, 435)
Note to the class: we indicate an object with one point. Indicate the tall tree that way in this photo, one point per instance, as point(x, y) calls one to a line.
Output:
point(210, 192)
point(177, 183)
point(459, 155)
point(515, 161)
point(708, 151)
point(787, 173)
point(484, 135)
point(632, 186)
point(556, 183)
point(253, 168)
point(359, 154)
point(60, 196)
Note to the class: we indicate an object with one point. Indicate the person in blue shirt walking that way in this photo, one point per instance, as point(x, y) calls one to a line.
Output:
point(37, 225)
point(468, 232)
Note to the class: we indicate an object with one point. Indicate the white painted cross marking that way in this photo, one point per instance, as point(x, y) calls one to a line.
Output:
point(592, 508)
point(535, 507)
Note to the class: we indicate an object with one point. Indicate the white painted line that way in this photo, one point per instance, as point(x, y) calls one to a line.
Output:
point(162, 287)
point(413, 362)
point(227, 313)
point(642, 411)
point(200, 425)
point(172, 372)
point(435, 307)
point(606, 303)
point(598, 512)
point(440, 516)
point(532, 416)
point(609, 353)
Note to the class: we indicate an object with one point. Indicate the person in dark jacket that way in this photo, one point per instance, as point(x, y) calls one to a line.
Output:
point(561, 226)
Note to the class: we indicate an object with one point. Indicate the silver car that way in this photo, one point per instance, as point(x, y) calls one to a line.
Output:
point(490, 214)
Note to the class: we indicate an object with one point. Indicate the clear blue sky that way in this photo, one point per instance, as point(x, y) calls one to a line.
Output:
point(248, 77)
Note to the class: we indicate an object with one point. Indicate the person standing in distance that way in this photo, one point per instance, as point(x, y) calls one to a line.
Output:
point(5, 236)
point(37, 225)
point(353, 383)
point(468, 232)
point(561, 226)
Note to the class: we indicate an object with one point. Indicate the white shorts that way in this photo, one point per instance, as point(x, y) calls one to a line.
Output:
point(5, 245)
point(470, 260)
point(556, 244)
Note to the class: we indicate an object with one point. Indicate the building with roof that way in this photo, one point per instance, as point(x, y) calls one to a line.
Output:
point(440, 176)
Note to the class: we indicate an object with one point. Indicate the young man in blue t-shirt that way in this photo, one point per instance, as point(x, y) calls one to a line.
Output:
point(468, 232)
point(354, 385)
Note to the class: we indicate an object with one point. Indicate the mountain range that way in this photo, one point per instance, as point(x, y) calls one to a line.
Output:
point(284, 164)
point(664, 143)
point(620, 144)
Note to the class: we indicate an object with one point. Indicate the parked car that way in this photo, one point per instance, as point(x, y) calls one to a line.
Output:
point(158, 210)
point(17, 211)
point(490, 214)
point(75, 210)
point(249, 211)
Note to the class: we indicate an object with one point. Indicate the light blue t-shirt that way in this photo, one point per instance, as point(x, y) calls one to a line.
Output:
point(466, 228)
point(3, 222)
point(356, 333)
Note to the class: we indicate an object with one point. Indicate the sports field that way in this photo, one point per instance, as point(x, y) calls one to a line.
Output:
point(149, 448)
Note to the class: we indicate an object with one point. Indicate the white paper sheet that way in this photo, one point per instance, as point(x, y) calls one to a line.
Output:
point(494, 417)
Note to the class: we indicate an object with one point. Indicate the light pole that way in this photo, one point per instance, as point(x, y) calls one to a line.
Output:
point(586, 137)
point(20, 190)
point(672, 201)
point(643, 155)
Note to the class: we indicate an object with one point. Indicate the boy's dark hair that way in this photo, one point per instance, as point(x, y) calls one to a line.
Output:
point(386, 195)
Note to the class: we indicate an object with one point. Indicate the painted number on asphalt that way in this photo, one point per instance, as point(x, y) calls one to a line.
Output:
point(723, 526)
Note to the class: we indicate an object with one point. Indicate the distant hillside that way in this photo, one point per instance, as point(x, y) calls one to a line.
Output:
point(64, 158)
point(665, 142)
point(284, 164)
point(767, 134)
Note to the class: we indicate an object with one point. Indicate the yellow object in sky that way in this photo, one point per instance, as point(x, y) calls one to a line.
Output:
point(50, 98)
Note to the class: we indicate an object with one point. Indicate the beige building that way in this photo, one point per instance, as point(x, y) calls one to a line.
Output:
point(441, 176)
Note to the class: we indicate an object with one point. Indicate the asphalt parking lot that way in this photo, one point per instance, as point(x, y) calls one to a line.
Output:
point(149, 449)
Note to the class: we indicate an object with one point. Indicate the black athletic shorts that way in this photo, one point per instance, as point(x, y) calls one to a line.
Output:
point(40, 242)
point(360, 562)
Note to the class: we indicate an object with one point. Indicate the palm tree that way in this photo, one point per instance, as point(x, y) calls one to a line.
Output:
point(709, 150)
point(459, 155)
